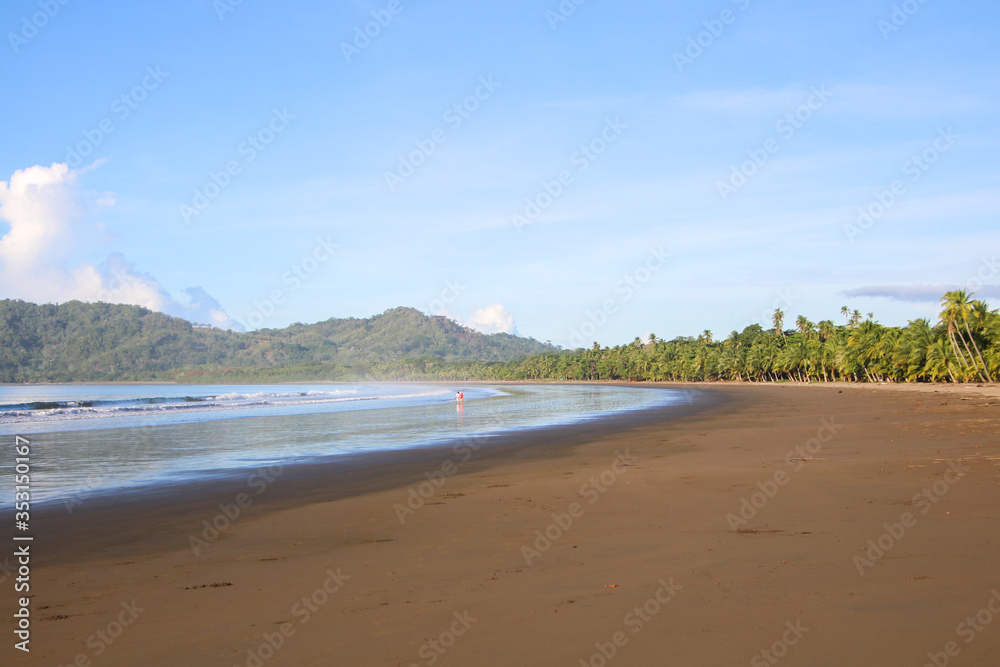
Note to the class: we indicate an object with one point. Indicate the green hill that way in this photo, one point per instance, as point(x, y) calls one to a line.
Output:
point(75, 342)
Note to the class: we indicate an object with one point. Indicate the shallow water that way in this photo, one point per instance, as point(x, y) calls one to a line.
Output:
point(97, 438)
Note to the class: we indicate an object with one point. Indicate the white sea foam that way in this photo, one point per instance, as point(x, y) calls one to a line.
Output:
point(58, 410)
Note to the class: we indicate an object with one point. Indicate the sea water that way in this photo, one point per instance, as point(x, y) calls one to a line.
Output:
point(88, 439)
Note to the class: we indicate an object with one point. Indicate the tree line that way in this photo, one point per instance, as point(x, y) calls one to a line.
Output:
point(103, 342)
point(962, 346)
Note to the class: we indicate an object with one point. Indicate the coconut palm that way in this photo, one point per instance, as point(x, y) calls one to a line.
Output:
point(910, 355)
point(979, 314)
point(956, 310)
point(826, 329)
point(804, 326)
point(778, 319)
point(939, 358)
point(828, 355)
point(863, 346)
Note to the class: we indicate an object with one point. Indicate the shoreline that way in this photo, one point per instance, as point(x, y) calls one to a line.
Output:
point(314, 480)
point(350, 459)
point(657, 533)
point(450, 383)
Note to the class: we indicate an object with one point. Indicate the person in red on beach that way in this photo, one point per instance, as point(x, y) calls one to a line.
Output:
point(459, 397)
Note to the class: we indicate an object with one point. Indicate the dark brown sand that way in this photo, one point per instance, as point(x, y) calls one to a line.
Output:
point(736, 533)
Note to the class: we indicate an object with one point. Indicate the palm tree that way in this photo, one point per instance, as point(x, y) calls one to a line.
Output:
point(826, 329)
point(988, 327)
point(828, 355)
point(885, 349)
point(864, 347)
point(956, 308)
point(770, 348)
point(979, 313)
point(910, 355)
point(804, 326)
point(847, 315)
point(796, 359)
point(938, 361)
point(778, 320)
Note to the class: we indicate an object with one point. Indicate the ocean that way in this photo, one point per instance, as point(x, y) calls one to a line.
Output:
point(95, 439)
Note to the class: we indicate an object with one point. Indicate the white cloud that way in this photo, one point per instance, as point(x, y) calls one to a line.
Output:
point(118, 281)
point(203, 308)
point(42, 207)
point(38, 203)
point(492, 319)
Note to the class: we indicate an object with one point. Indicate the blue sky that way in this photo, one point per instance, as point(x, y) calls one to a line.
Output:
point(592, 171)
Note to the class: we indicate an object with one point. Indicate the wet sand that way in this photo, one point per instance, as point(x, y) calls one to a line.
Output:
point(800, 525)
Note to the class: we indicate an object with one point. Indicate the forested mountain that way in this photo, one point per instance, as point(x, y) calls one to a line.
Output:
point(78, 341)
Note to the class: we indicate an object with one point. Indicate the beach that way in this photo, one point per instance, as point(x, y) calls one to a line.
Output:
point(795, 524)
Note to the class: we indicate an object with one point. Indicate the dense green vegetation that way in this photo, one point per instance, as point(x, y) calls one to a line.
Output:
point(963, 346)
point(78, 342)
point(101, 342)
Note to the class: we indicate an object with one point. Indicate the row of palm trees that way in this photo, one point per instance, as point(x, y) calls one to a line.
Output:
point(963, 346)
